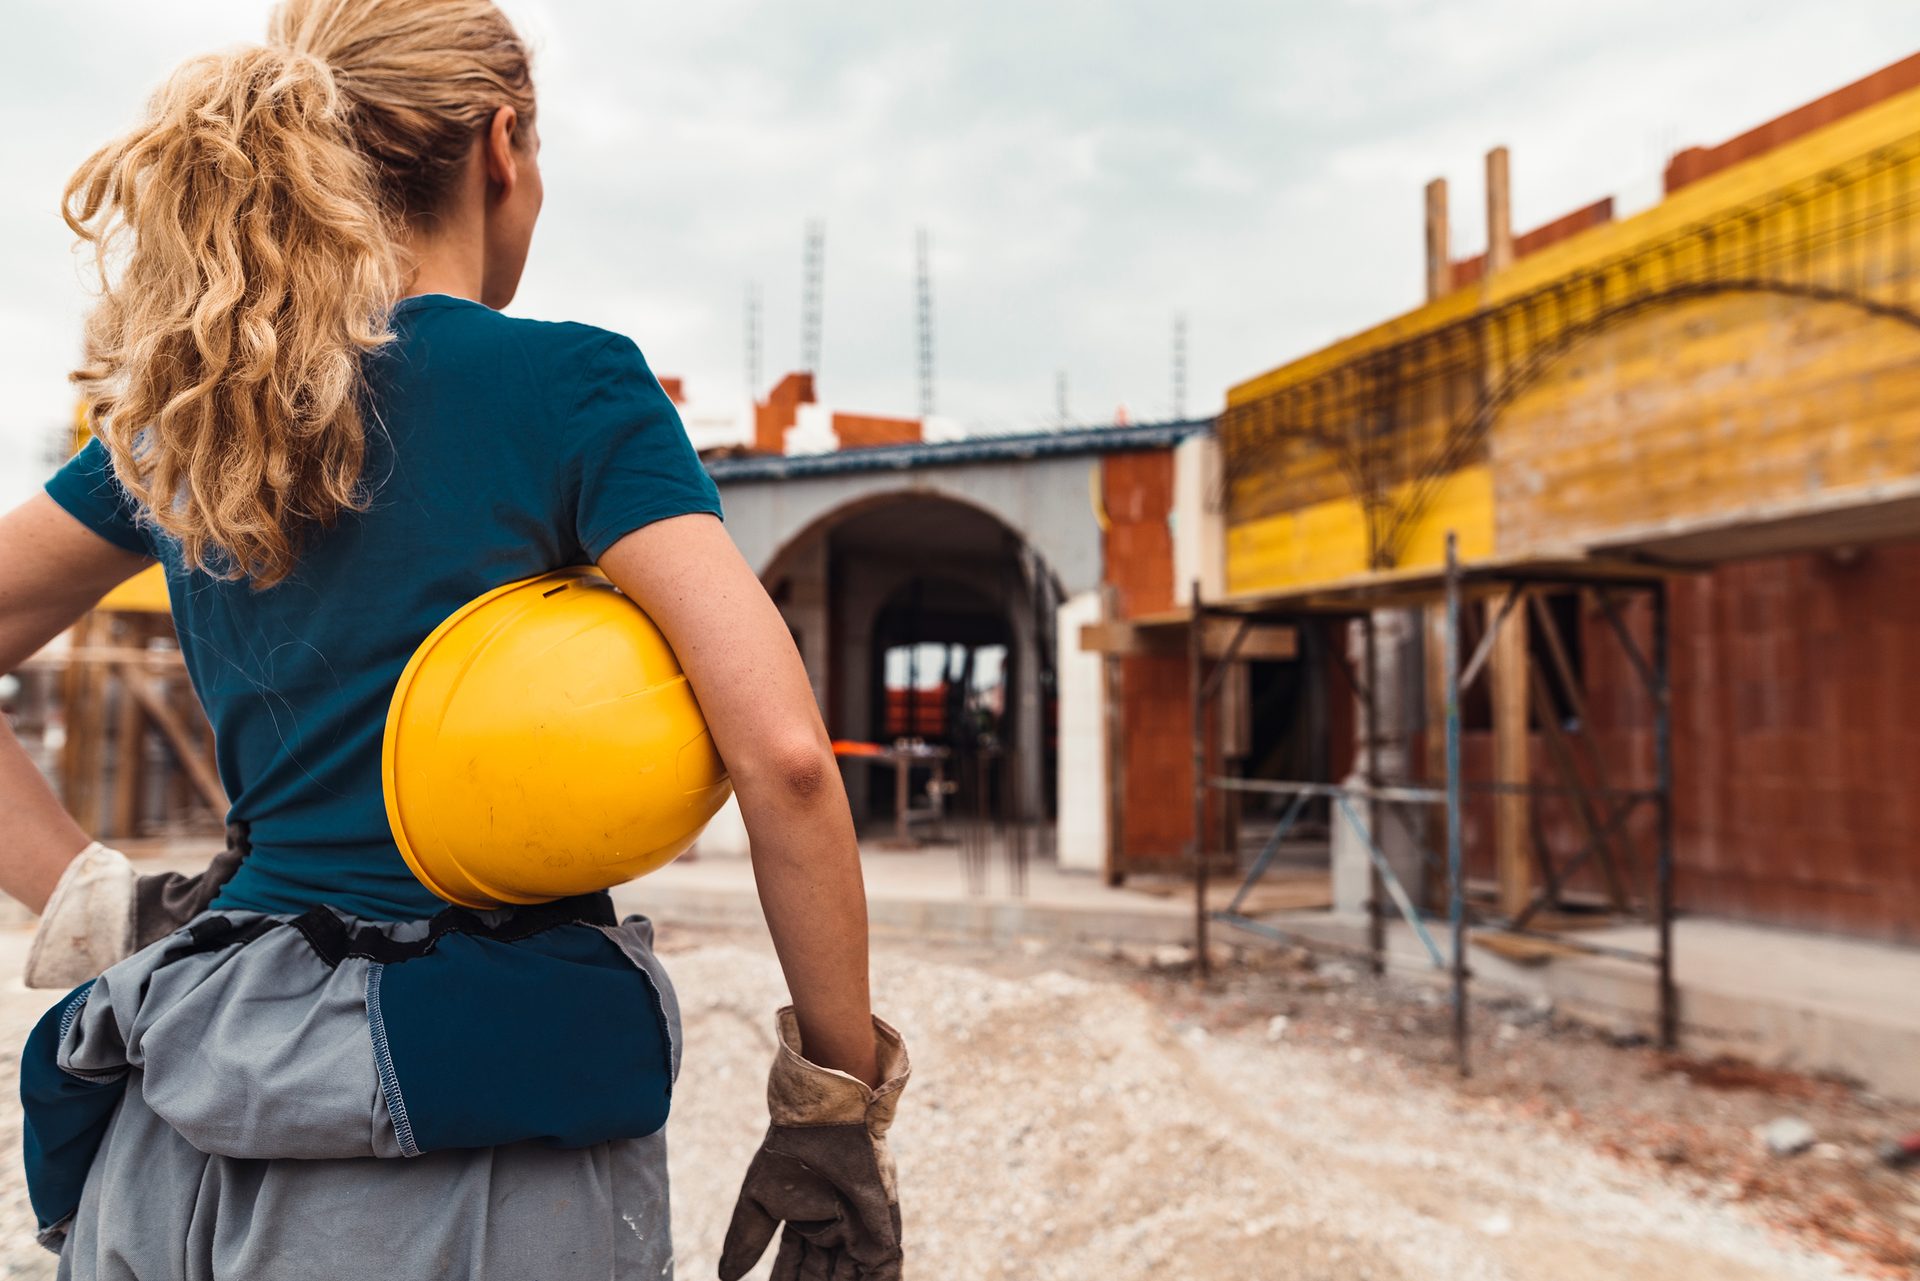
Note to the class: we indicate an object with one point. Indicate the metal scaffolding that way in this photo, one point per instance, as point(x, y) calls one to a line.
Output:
point(1603, 812)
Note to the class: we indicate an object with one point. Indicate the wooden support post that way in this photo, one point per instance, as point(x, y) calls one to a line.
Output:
point(1614, 870)
point(1439, 243)
point(1499, 213)
point(1512, 679)
point(81, 758)
point(1560, 752)
point(130, 755)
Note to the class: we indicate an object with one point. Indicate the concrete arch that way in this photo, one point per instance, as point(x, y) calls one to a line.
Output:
point(838, 573)
point(1046, 502)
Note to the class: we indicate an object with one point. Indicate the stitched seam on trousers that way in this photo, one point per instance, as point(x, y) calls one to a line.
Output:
point(71, 1014)
point(383, 1064)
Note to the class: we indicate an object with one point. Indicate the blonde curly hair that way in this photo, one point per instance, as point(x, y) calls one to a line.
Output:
point(247, 242)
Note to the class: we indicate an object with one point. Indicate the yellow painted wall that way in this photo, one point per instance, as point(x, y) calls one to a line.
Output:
point(144, 593)
point(1328, 540)
point(1726, 408)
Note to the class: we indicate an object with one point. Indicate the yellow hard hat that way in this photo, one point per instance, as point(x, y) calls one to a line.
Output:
point(543, 742)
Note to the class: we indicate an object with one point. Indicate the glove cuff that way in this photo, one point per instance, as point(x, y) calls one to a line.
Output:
point(801, 1092)
point(88, 922)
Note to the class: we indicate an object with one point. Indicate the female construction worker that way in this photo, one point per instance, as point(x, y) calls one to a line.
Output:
point(309, 410)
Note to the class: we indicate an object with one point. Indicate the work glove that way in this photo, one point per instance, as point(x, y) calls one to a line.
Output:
point(102, 911)
point(823, 1170)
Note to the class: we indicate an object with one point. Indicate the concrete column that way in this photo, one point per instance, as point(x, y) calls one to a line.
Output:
point(1439, 243)
point(861, 592)
point(1197, 521)
point(805, 609)
point(1394, 639)
point(1028, 740)
point(1499, 213)
point(1083, 739)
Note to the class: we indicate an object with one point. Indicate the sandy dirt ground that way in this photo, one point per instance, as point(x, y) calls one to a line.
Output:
point(1096, 1117)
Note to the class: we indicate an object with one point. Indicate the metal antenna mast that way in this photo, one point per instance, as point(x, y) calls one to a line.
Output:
point(813, 270)
point(925, 303)
point(1179, 365)
point(753, 339)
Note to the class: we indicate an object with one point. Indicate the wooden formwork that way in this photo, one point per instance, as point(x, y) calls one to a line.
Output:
point(123, 689)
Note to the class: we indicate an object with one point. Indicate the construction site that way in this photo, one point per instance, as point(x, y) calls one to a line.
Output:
point(1455, 812)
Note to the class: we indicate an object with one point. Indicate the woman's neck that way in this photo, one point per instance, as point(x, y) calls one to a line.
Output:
point(447, 258)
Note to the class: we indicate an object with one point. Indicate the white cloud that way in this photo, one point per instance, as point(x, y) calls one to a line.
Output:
point(1086, 168)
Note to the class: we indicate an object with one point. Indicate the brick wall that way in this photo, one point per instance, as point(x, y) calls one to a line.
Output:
point(862, 431)
point(1157, 804)
point(1796, 743)
point(1138, 493)
point(1696, 163)
point(779, 411)
point(1468, 271)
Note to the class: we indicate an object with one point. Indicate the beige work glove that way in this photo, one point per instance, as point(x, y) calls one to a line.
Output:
point(102, 911)
point(823, 1170)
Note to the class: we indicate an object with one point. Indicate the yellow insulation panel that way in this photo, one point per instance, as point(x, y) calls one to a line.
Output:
point(1733, 408)
point(1328, 541)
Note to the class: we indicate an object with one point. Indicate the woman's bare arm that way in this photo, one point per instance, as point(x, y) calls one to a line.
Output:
point(738, 655)
point(52, 570)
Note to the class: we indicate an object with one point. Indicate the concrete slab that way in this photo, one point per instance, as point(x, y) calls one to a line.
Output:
point(925, 892)
point(1785, 999)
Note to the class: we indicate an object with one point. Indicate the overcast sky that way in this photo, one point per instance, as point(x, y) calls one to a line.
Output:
point(1085, 168)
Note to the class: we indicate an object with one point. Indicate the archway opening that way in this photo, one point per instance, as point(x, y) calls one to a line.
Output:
point(926, 620)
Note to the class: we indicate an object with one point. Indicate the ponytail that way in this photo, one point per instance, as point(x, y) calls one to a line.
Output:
point(245, 236)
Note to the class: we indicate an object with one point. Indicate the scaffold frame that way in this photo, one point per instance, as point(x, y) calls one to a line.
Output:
point(1508, 586)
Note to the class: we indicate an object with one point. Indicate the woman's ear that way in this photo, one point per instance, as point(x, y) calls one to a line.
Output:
point(503, 165)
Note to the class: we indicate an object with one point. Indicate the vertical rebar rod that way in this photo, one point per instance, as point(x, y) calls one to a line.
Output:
point(813, 267)
point(1456, 874)
point(923, 307)
point(753, 341)
point(1179, 365)
point(1196, 627)
point(1663, 769)
point(1376, 886)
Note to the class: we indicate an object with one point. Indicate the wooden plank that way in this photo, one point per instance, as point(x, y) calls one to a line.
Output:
point(205, 780)
point(1512, 733)
point(1597, 758)
point(156, 659)
point(1265, 642)
point(1591, 827)
point(1522, 950)
point(84, 705)
point(130, 741)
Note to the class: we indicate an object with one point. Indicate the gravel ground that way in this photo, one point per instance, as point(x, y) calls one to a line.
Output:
point(1093, 1119)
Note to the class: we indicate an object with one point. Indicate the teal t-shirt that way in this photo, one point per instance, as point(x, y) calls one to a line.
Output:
point(497, 448)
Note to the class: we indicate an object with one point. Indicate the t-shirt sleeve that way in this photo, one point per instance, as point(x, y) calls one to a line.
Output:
point(89, 492)
point(630, 460)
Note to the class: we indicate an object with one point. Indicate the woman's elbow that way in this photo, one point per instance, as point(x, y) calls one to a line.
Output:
point(799, 772)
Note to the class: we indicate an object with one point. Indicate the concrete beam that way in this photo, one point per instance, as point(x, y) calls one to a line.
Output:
point(1263, 642)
